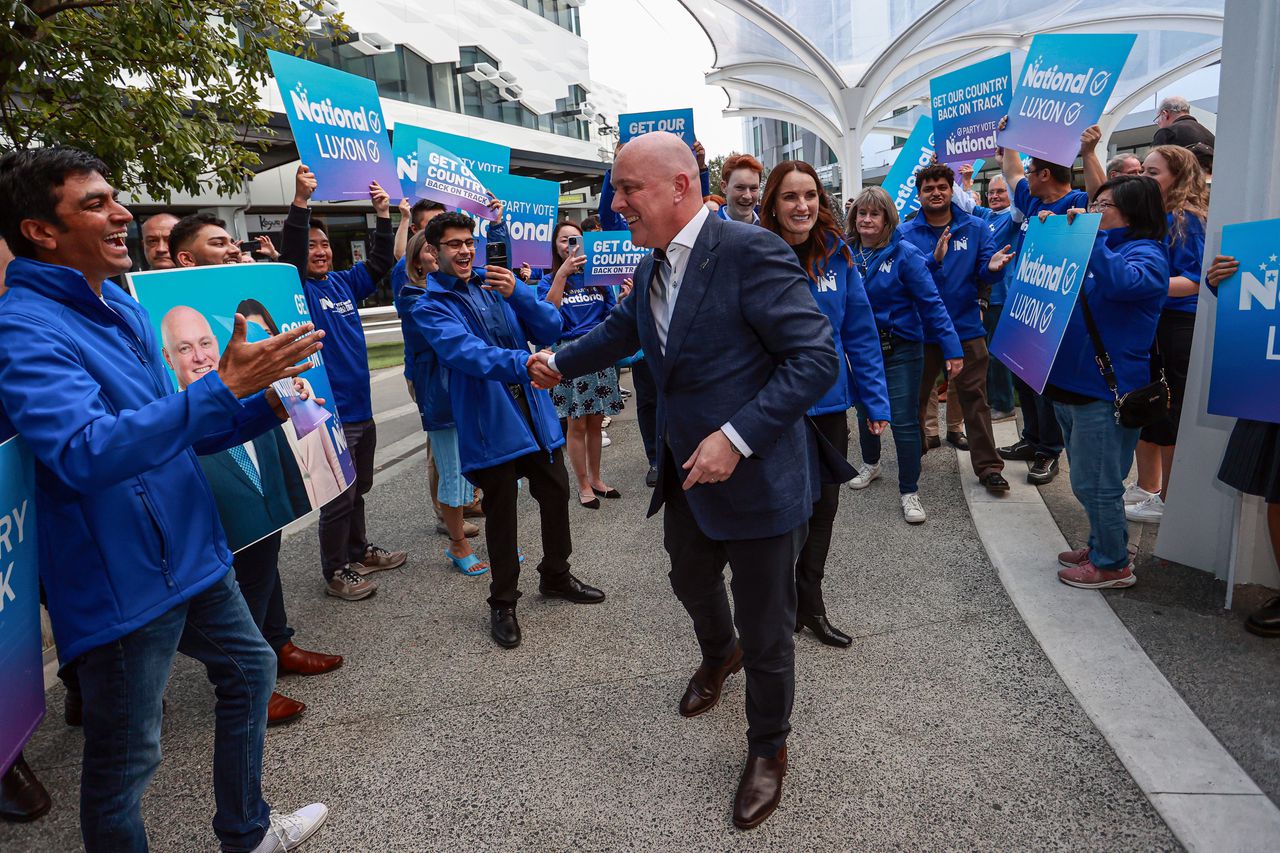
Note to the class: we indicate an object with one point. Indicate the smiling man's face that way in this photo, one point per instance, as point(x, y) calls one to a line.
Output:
point(190, 349)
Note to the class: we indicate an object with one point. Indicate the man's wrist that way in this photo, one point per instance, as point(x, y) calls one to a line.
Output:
point(299, 201)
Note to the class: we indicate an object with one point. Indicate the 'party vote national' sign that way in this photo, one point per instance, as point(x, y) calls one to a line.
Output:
point(21, 660)
point(1246, 345)
point(337, 123)
point(483, 158)
point(611, 257)
point(443, 177)
point(1048, 275)
point(900, 182)
point(967, 107)
point(1063, 88)
point(679, 122)
point(530, 207)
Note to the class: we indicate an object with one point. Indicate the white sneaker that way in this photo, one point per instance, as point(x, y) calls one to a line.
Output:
point(604, 424)
point(1150, 510)
point(912, 510)
point(605, 441)
point(1135, 494)
point(288, 831)
point(866, 474)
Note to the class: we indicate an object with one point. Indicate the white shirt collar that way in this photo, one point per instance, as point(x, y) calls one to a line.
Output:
point(689, 233)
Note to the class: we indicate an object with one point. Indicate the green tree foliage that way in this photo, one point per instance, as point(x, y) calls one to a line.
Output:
point(166, 92)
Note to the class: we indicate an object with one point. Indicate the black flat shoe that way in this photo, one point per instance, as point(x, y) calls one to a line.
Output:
point(504, 628)
point(612, 494)
point(824, 631)
point(651, 479)
point(994, 483)
point(1265, 621)
point(572, 589)
point(594, 503)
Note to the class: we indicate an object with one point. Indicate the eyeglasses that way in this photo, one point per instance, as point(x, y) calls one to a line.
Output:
point(1099, 206)
point(1156, 120)
point(455, 245)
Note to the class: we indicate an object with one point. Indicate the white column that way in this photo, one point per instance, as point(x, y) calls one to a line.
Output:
point(1200, 520)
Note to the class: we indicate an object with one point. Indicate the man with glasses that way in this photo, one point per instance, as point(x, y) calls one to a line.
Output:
point(1177, 126)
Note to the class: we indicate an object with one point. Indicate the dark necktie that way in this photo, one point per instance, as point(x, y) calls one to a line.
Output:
point(660, 296)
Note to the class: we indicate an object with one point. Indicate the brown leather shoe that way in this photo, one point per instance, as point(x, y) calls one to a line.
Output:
point(703, 691)
point(22, 797)
point(282, 709)
point(760, 790)
point(302, 662)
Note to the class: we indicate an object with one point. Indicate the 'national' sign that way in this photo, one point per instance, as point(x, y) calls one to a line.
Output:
point(967, 107)
point(1246, 343)
point(482, 157)
point(679, 122)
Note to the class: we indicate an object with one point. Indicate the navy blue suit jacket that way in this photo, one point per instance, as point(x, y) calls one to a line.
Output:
point(246, 515)
point(748, 346)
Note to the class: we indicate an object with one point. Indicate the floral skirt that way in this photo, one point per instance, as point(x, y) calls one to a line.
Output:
point(594, 394)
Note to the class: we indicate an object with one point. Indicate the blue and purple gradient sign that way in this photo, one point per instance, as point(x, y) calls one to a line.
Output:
point(442, 176)
point(679, 122)
point(530, 210)
point(967, 107)
point(916, 153)
point(21, 660)
point(1048, 274)
point(1063, 88)
point(337, 123)
point(1246, 345)
point(611, 257)
point(484, 159)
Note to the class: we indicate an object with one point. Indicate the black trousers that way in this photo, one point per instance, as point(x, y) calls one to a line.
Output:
point(343, 538)
point(549, 486)
point(764, 608)
point(646, 407)
point(257, 570)
point(811, 566)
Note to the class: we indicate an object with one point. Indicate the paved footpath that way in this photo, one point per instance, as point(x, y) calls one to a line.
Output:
point(943, 727)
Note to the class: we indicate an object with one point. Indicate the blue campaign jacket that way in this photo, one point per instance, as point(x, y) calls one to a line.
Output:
point(1126, 283)
point(962, 277)
point(582, 308)
point(1004, 232)
point(128, 526)
point(1186, 255)
point(841, 296)
point(491, 427)
point(904, 297)
point(421, 365)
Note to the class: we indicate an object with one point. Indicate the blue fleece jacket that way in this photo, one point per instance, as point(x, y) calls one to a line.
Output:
point(421, 366)
point(582, 308)
point(1004, 232)
point(904, 297)
point(963, 277)
point(127, 524)
point(482, 340)
point(1126, 283)
point(1186, 254)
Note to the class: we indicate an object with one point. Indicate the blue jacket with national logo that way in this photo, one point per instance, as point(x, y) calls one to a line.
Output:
point(1186, 255)
point(904, 297)
point(582, 308)
point(962, 277)
point(421, 366)
point(491, 427)
point(128, 526)
point(1005, 232)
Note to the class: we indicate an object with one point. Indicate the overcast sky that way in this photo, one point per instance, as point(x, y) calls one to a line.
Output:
point(657, 54)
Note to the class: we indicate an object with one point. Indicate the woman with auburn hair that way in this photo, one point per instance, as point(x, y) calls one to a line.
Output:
point(795, 207)
point(1186, 204)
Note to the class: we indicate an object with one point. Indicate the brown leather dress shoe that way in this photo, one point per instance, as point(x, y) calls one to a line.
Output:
point(703, 691)
point(282, 709)
point(760, 790)
point(22, 797)
point(302, 662)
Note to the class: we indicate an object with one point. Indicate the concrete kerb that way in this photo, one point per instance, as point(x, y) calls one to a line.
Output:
point(1207, 800)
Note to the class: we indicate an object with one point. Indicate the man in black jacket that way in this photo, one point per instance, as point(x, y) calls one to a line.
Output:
point(1178, 126)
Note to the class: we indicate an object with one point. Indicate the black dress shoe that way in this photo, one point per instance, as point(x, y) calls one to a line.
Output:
point(824, 631)
point(760, 790)
point(994, 482)
point(1019, 451)
point(651, 479)
point(958, 440)
point(1265, 621)
point(22, 797)
point(504, 628)
point(1042, 471)
point(572, 589)
point(611, 494)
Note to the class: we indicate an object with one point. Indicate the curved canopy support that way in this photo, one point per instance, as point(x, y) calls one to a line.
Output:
point(730, 74)
point(801, 113)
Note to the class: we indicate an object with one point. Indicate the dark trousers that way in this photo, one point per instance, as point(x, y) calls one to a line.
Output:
point(970, 385)
point(764, 608)
point(646, 408)
point(499, 487)
point(999, 377)
point(811, 566)
point(343, 538)
point(258, 574)
point(1040, 426)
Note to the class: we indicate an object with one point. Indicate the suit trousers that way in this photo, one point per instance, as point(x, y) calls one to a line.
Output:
point(257, 570)
point(646, 407)
point(764, 608)
point(970, 385)
point(343, 538)
point(811, 567)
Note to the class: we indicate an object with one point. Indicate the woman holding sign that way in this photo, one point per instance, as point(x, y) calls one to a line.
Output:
point(583, 400)
point(795, 207)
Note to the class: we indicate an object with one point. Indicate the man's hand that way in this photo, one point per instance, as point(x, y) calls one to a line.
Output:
point(1045, 214)
point(701, 154)
point(954, 366)
point(540, 372)
point(500, 279)
point(712, 462)
point(1090, 138)
point(966, 175)
point(304, 184)
point(381, 201)
point(266, 247)
point(1004, 122)
point(496, 205)
point(944, 241)
point(405, 208)
point(626, 286)
point(1222, 268)
point(877, 427)
point(524, 272)
point(247, 368)
point(1001, 259)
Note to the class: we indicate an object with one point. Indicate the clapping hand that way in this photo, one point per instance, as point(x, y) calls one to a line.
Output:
point(1001, 259)
point(540, 372)
point(940, 249)
point(247, 368)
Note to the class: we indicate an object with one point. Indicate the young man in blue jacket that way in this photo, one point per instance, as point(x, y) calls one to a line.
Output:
point(346, 555)
point(964, 263)
point(481, 330)
point(133, 558)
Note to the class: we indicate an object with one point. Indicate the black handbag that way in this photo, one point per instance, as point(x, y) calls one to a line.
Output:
point(1139, 408)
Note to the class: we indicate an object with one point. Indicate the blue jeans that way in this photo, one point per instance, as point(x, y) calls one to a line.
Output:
point(902, 372)
point(999, 379)
point(1100, 453)
point(123, 687)
point(1040, 427)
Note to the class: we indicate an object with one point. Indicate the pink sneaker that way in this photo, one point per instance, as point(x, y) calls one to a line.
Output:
point(1088, 576)
point(1071, 559)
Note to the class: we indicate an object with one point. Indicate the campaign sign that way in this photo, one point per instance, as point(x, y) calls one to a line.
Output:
point(530, 210)
point(337, 123)
point(1048, 274)
point(21, 660)
point(611, 257)
point(967, 107)
point(296, 468)
point(482, 158)
point(1062, 89)
point(446, 179)
point(900, 182)
point(679, 122)
point(1246, 345)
